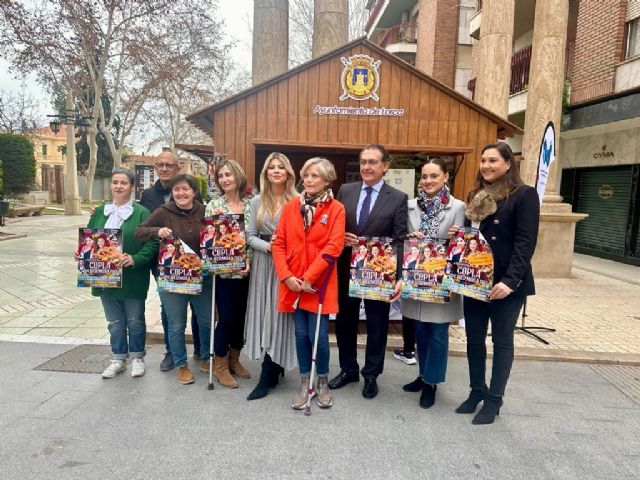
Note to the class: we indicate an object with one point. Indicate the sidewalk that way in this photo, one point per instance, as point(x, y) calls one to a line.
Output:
point(559, 421)
point(596, 315)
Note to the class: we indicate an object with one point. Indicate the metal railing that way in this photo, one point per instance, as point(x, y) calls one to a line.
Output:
point(401, 33)
point(520, 64)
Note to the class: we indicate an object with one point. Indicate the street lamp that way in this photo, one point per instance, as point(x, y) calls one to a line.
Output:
point(71, 119)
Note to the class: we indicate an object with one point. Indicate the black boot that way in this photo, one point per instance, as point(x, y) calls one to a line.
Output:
point(414, 386)
point(490, 408)
point(266, 379)
point(276, 372)
point(471, 403)
point(428, 395)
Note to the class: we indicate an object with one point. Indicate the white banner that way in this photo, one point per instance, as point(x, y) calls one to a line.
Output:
point(545, 158)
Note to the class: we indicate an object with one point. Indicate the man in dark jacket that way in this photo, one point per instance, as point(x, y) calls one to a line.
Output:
point(167, 167)
point(374, 209)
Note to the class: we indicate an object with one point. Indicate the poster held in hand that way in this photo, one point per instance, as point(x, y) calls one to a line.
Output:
point(99, 251)
point(179, 267)
point(423, 269)
point(223, 244)
point(373, 269)
point(469, 269)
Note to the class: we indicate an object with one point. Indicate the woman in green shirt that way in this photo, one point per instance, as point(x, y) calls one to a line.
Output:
point(124, 307)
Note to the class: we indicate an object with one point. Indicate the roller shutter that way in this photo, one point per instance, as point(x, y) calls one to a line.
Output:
point(604, 194)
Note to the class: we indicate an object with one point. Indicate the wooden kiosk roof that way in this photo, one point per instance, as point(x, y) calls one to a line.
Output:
point(279, 115)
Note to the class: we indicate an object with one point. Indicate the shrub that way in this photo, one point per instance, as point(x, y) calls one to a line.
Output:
point(203, 186)
point(19, 163)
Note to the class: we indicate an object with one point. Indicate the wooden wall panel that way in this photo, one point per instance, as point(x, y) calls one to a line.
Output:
point(281, 110)
point(261, 114)
point(293, 96)
point(305, 107)
point(250, 135)
point(240, 132)
point(229, 137)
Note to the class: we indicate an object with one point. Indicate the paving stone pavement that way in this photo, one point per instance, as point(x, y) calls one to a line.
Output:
point(596, 316)
point(559, 421)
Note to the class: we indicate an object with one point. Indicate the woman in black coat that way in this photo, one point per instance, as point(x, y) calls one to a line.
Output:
point(507, 213)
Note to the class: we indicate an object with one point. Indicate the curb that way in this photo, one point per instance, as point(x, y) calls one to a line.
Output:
point(522, 353)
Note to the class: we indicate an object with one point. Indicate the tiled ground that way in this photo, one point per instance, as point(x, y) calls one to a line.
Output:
point(592, 313)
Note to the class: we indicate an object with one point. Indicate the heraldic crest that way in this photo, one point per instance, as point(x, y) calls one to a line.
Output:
point(360, 78)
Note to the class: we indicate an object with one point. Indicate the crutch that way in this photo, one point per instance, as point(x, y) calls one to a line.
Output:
point(213, 321)
point(331, 261)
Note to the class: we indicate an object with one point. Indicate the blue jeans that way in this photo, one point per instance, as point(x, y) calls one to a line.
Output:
point(432, 340)
point(127, 329)
point(175, 305)
point(305, 333)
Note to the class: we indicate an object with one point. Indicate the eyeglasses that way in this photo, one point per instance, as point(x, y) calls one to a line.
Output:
point(166, 165)
point(372, 163)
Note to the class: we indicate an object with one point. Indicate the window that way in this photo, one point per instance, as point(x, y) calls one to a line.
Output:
point(466, 14)
point(44, 150)
point(632, 35)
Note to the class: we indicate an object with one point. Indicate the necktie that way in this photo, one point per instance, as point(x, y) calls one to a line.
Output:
point(364, 210)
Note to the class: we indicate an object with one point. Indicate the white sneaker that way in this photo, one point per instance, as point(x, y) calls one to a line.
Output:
point(137, 367)
point(114, 368)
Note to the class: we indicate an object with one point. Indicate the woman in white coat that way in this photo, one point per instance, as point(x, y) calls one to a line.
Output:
point(431, 214)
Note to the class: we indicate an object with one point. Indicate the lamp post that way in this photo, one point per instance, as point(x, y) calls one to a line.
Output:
point(71, 197)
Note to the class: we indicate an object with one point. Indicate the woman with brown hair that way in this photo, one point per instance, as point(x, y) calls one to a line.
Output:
point(507, 213)
point(231, 288)
point(266, 329)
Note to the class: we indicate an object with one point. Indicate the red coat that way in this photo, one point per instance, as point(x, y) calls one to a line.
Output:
point(299, 253)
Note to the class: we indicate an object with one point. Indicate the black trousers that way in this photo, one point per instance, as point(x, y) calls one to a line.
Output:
point(231, 302)
point(408, 334)
point(503, 315)
point(347, 333)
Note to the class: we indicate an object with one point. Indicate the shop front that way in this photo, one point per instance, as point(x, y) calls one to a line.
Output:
point(334, 105)
point(602, 180)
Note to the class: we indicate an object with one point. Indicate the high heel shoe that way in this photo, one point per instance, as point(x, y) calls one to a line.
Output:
point(490, 408)
point(471, 403)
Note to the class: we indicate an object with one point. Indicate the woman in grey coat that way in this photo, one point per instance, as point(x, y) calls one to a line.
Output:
point(430, 216)
point(266, 330)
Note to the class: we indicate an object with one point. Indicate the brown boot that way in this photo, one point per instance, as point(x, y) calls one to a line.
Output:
point(204, 367)
point(221, 372)
point(184, 375)
point(235, 366)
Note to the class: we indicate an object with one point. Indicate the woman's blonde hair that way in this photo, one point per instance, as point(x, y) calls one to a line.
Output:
point(238, 173)
point(325, 168)
point(268, 207)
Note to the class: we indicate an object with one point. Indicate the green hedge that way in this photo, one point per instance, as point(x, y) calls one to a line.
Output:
point(203, 186)
point(19, 163)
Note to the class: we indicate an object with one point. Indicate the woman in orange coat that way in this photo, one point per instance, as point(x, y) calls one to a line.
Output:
point(310, 225)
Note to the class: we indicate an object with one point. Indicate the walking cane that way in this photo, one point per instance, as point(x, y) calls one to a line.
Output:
point(213, 316)
point(331, 261)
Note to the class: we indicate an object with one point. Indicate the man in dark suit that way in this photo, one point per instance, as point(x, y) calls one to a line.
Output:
point(374, 209)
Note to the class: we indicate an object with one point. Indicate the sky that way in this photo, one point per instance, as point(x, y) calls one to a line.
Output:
point(237, 14)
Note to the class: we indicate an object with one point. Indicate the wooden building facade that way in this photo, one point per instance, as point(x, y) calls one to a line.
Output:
point(335, 104)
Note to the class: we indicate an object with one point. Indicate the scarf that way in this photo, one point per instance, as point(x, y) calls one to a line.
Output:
point(117, 214)
point(485, 201)
point(309, 204)
point(431, 211)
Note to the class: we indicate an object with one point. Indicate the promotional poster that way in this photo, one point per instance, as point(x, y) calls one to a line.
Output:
point(180, 268)
point(223, 244)
point(373, 269)
point(469, 269)
point(98, 252)
point(423, 269)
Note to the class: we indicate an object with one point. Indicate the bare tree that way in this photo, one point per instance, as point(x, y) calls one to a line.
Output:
point(18, 111)
point(95, 49)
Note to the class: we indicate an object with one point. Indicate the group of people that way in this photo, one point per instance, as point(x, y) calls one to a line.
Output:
point(272, 305)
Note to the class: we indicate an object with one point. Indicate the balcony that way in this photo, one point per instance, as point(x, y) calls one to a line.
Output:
point(520, 64)
point(401, 38)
